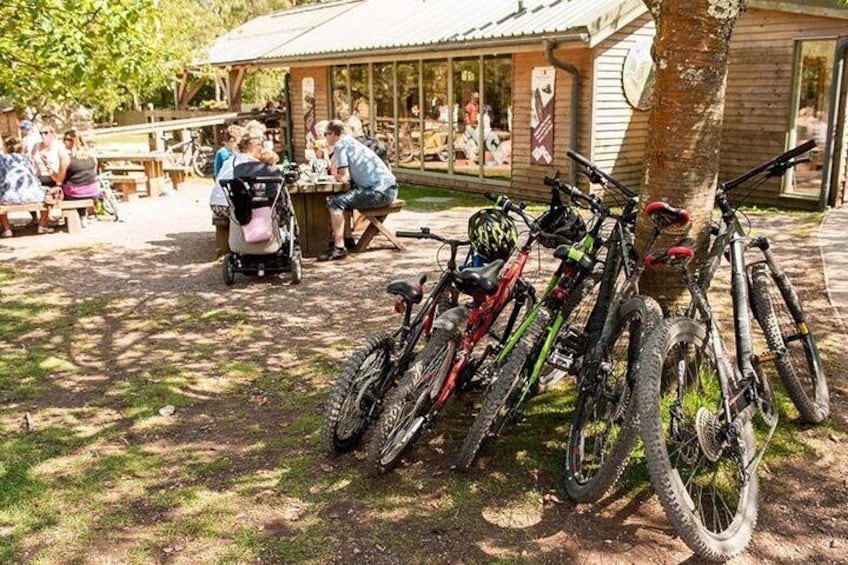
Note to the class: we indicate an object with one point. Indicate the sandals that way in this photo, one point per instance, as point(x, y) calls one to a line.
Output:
point(45, 229)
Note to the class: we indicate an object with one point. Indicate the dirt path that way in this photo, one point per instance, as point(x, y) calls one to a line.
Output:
point(103, 328)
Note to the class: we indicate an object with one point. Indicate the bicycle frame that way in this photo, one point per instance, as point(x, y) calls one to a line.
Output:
point(480, 319)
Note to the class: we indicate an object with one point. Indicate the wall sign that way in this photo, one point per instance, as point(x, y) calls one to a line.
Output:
point(308, 94)
point(637, 76)
point(542, 115)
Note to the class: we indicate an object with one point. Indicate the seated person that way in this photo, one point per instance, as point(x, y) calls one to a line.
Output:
point(46, 157)
point(249, 149)
point(19, 184)
point(234, 133)
point(317, 152)
point(372, 184)
point(77, 173)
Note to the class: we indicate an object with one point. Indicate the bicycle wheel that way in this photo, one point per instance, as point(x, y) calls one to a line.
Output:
point(405, 409)
point(201, 162)
point(500, 404)
point(701, 479)
point(781, 316)
point(603, 427)
point(110, 203)
point(356, 396)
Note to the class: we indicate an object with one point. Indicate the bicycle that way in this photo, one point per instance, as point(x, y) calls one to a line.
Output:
point(696, 407)
point(446, 363)
point(384, 357)
point(107, 203)
point(193, 154)
point(550, 336)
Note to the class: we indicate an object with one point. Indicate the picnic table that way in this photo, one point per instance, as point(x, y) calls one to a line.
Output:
point(153, 164)
point(310, 206)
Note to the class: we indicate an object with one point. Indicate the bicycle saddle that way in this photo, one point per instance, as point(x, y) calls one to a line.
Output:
point(407, 289)
point(484, 278)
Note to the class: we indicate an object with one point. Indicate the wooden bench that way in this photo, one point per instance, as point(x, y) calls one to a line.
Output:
point(177, 174)
point(375, 218)
point(129, 185)
point(222, 235)
point(69, 211)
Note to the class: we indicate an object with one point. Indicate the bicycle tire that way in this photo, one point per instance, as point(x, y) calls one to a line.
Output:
point(110, 204)
point(352, 402)
point(807, 388)
point(586, 479)
point(717, 533)
point(403, 415)
point(499, 405)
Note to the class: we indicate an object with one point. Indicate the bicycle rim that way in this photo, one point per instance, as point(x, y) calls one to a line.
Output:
point(696, 462)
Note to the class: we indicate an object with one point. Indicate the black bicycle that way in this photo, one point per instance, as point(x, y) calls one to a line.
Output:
point(373, 369)
point(696, 407)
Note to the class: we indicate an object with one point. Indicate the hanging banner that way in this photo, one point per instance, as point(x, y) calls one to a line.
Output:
point(542, 116)
point(308, 94)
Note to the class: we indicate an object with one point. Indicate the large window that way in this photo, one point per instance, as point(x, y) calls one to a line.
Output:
point(435, 112)
point(442, 115)
point(409, 116)
point(811, 111)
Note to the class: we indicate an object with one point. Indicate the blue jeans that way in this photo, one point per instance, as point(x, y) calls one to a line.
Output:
point(361, 199)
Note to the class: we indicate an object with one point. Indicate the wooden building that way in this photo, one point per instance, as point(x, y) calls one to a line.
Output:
point(549, 75)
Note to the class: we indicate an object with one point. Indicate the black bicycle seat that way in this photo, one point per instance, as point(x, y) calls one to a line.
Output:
point(484, 278)
point(407, 289)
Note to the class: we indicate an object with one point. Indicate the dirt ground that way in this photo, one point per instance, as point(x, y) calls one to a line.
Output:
point(137, 316)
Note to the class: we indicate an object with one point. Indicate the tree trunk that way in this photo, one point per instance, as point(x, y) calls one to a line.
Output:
point(681, 159)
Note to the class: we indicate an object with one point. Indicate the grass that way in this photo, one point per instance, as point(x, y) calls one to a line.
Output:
point(238, 473)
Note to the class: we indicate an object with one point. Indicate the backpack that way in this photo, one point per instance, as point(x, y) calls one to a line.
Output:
point(376, 146)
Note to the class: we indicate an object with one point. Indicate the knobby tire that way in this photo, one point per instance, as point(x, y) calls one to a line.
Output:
point(721, 531)
point(604, 424)
point(346, 420)
point(401, 421)
point(800, 367)
point(499, 405)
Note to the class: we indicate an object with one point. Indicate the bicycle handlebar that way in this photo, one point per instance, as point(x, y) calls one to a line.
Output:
point(596, 175)
point(424, 233)
point(773, 167)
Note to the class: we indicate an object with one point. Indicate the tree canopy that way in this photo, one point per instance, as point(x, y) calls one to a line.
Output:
point(102, 53)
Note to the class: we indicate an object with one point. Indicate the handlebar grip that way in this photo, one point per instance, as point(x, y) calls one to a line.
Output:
point(412, 234)
point(550, 181)
point(800, 150)
point(491, 196)
point(578, 158)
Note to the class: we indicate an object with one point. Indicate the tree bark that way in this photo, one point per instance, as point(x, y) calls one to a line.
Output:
point(682, 155)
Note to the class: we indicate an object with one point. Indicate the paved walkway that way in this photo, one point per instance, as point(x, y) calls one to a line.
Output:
point(833, 238)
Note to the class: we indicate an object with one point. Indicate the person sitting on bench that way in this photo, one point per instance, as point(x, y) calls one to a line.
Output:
point(373, 185)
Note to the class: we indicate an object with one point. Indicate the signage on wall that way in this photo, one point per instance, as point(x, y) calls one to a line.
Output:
point(308, 94)
point(542, 115)
point(637, 76)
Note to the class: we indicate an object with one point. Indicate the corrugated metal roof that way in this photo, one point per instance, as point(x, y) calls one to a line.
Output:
point(373, 25)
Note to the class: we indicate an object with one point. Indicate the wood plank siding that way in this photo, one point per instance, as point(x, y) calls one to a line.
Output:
point(759, 93)
point(619, 131)
point(322, 107)
point(527, 179)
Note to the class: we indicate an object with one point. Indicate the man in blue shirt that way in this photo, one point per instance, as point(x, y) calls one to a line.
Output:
point(373, 184)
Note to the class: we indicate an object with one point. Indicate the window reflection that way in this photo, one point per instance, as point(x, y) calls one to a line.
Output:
point(466, 110)
point(409, 116)
point(410, 112)
point(496, 116)
point(436, 115)
point(814, 74)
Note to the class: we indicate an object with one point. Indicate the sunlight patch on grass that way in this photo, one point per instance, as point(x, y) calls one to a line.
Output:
point(145, 394)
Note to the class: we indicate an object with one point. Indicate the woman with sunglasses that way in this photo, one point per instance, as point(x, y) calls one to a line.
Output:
point(78, 171)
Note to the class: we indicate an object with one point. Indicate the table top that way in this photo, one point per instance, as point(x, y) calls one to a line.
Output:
point(152, 156)
point(318, 187)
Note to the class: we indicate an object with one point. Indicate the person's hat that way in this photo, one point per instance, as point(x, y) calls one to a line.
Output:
point(26, 125)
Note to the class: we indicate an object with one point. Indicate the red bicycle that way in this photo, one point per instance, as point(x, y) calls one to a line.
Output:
point(446, 362)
